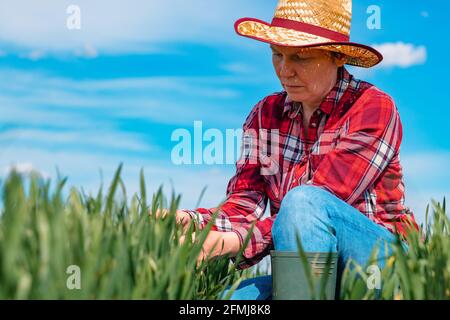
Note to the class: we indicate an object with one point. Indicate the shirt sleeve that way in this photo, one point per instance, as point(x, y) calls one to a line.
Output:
point(372, 139)
point(246, 199)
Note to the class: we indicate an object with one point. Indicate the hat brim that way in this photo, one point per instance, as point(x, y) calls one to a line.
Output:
point(356, 54)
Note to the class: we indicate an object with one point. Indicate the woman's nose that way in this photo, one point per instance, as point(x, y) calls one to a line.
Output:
point(286, 70)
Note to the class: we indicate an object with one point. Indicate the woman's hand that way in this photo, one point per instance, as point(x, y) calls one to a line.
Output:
point(219, 244)
point(182, 218)
point(216, 243)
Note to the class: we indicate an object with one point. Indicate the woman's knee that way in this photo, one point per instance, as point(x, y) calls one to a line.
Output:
point(300, 204)
point(305, 194)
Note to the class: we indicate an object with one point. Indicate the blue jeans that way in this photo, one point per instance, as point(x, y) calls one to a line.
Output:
point(323, 223)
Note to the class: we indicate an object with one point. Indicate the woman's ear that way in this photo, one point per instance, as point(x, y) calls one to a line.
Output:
point(339, 59)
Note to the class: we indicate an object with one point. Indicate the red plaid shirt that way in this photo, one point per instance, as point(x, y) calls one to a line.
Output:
point(350, 148)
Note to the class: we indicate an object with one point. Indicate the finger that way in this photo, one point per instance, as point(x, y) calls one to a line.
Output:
point(150, 212)
point(182, 217)
point(160, 213)
point(201, 258)
point(182, 239)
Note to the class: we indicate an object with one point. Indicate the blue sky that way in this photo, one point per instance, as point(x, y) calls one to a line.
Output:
point(115, 90)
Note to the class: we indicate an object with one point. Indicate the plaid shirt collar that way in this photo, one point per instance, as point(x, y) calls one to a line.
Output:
point(331, 100)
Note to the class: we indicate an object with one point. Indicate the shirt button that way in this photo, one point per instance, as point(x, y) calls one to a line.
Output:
point(313, 124)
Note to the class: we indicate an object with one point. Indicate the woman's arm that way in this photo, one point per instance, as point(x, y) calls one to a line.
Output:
point(246, 202)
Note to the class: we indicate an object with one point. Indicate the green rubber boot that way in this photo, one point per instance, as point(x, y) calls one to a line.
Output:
point(290, 281)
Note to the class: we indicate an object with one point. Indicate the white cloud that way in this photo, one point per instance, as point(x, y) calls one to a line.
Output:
point(21, 115)
point(426, 177)
point(122, 26)
point(88, 51)
point(24, 168)
point(238, 67)
point(401, 54)
point(33, 55)
point(420, 168)
point(33, 96)
point(74, 111)
point(418, 200)
point(35, 101)
point(87, 138)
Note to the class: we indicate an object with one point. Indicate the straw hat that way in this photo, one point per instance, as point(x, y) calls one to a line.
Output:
point(311, 23)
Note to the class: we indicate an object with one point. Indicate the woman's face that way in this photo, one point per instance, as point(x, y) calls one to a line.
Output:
point(307, 75)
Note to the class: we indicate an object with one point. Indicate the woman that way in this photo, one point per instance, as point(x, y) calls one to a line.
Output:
point(334, 176)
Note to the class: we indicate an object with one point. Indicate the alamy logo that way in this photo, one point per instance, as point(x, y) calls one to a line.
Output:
point(374, 278)
point(213, 147)
point(374, 20)
point(73, 21)
point(74, 279)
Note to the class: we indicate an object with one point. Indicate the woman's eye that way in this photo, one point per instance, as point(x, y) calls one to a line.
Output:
point(298, 58)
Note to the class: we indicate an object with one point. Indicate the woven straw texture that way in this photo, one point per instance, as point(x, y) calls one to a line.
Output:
point(333, 15)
